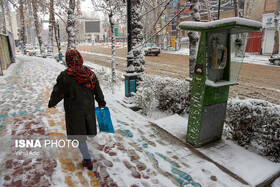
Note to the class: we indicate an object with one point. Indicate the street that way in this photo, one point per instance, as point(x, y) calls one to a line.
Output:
point(255, 81)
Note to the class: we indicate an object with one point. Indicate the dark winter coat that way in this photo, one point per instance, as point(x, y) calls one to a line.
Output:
point(79, 106)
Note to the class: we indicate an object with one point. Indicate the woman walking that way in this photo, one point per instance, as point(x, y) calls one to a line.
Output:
point(79, 87)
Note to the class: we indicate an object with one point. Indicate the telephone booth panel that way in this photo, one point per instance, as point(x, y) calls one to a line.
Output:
point(217, 50)
point(237, 54)
point(219, 58)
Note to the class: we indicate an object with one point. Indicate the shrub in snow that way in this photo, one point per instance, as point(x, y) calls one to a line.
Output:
point(163, 93)
point(105, 77)
point(256, 123)
point(31, 53)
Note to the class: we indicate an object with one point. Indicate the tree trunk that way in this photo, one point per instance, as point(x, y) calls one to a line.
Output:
point(113, 61)
point(276, 31)
point(161, 37)
point(193, 39)
point(55, 30)
point(208, 10)
point(156, 13)
point(38, 27)
point(22, 29)
point(30, 31)
point(193, 36)
point(51, 22)
point(4, 28)
point(71, 25)
point(248, 8)
point(236, 8)
point(177, 47)
point(8, 12)
point(167, 34)
point(137, 37)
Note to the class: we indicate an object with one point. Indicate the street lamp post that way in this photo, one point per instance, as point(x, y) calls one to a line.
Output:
point(130, 76)
point(129, 26)
point(59, 47)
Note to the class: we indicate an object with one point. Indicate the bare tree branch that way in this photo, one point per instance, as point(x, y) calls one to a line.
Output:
point(164, 26)
point(162, 12)
point(152, 9)
point(13, 4)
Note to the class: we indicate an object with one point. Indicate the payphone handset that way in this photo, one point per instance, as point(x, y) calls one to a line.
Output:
point(220, 57)
point(217, 55)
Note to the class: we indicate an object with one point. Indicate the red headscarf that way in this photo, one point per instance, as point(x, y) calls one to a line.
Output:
point(81, 74)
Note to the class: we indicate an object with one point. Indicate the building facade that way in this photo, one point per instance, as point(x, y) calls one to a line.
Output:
point(268, 26)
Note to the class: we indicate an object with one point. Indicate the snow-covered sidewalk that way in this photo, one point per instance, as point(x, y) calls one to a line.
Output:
point(138, 154)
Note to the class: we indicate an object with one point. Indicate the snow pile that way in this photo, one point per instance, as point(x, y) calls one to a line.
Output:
point(182, 51)
point(175, 125)
point(165, 94)
point(255, 123)
point(276, 183)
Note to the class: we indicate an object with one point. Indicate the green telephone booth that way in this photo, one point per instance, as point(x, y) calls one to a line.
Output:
point(219, 58)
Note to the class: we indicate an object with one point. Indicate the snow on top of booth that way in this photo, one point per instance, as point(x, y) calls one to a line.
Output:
point(222, 23)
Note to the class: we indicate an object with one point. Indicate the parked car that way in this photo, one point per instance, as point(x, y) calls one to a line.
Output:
point(275, 59)
point(151, 48)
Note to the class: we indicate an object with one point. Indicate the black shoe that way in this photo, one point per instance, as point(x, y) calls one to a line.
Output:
point(89, 165)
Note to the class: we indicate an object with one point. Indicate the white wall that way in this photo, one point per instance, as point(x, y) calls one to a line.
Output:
point(268, 39)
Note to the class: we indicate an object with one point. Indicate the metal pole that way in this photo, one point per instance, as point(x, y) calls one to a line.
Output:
point(129, 39)
point(129, 26)
point(219, 9)
point(58, 35)
point(130, 77)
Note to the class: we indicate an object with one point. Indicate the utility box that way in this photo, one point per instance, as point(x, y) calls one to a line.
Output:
point(219, 58)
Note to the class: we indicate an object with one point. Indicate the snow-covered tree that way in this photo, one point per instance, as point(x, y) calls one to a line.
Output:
point(276, 26)
point(114, 10)
point(177, 27)
point(137, 36)
point(248, 8)
point(236, 8)
point(70, 29)
point(38, 27)
point(22, 27)
point(193, 36)
point(208, 10)
point(51, 25)
point(3, 21)
point(8, 11)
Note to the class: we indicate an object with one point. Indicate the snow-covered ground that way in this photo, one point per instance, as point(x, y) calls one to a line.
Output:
point(106, 44)
point(239, 160)
point(137, 154)
point(249, 58)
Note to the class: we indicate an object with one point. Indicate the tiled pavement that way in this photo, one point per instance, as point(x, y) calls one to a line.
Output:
point(136, 155)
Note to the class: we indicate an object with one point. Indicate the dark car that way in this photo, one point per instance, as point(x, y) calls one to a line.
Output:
point(275, 59)
point(151, 48)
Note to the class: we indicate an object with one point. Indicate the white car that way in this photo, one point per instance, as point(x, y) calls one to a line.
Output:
point(151, 48)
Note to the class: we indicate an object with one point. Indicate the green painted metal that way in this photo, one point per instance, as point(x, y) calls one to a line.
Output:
point(211, 95)
point(215, 95)
point(233, 26)
point(197, 95)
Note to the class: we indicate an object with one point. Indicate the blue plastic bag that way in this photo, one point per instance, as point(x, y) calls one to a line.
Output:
point(104, 120)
